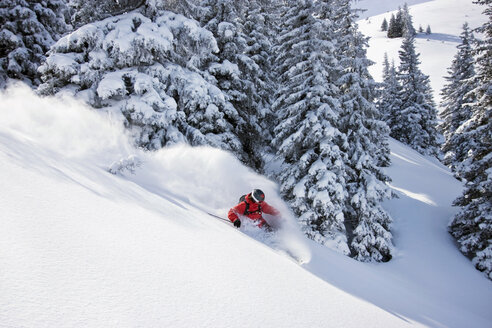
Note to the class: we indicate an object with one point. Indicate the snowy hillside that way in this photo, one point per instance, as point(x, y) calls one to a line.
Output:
point(445, 17)
point(83, 247)
point(375, 7)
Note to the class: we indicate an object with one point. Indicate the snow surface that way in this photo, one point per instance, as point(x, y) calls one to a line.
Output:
point(446, 19)
point(81, 247)
point(375, 7)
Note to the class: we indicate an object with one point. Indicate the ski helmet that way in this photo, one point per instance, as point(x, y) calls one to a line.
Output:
point(257, 195)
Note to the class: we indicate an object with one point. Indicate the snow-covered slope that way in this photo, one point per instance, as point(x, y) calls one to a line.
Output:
point(375, 7)
point(445, 17)
point(80, 247)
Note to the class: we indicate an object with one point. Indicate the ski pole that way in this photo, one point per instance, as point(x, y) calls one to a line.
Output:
point(218, 217)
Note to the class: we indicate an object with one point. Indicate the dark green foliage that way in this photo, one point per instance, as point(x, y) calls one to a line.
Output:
point(415, 122)
point(236, 69)
point(384, 25)
point(458, 97)
point(87, 11)
point(394, 29)
point(472, 226)
point(27, 30)
point(401, 24)
point(368, 224)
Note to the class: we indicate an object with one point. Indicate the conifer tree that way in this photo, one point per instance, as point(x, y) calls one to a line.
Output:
point(259, 33)
point(389, 102)
point(457, 101)
point(381, 86)
point(472, 226)
point(235, 73)
point(88, 11)
point(27, 31)
point(187, 8)
point(399, 22)
point(416, 121)
point(150, 73)
point(366, 137)
point(384, 25)
point(407, 22)
point(393, 31)
point(312, 177)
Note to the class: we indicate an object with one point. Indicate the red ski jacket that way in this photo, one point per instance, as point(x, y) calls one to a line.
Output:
point(249, 208)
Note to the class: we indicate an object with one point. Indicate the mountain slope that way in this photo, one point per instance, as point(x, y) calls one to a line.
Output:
point(445, 17)
point(82, 247)
point(428, 280)
point(375, 7)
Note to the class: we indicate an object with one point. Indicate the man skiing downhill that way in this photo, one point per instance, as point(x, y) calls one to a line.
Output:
point(252, 206)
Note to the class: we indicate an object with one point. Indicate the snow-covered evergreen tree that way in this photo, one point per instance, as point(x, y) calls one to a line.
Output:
point(188, 8)
point(88, 11)
point(27, 31)
point(401, 24)
point(148, 72)
point(396, 24)
point(457, 101)
point(389, 103)
point(428, 30)
point(393, 28)
point(407, 22)
point(259, 34)
point(383, 87)
point(235, 72)
point(472, 226)
point(384, 25)
point(312, 177)
point(366, 141)
point(416, 121)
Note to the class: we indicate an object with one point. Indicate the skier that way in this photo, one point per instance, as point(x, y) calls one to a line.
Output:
point(252, 206)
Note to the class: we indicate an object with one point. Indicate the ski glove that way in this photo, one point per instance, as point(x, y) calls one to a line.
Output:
point(237, 223)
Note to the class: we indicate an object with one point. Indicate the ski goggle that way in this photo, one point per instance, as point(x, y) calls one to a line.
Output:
point(258, 195)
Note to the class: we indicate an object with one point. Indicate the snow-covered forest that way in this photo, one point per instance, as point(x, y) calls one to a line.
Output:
point(282, 85)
